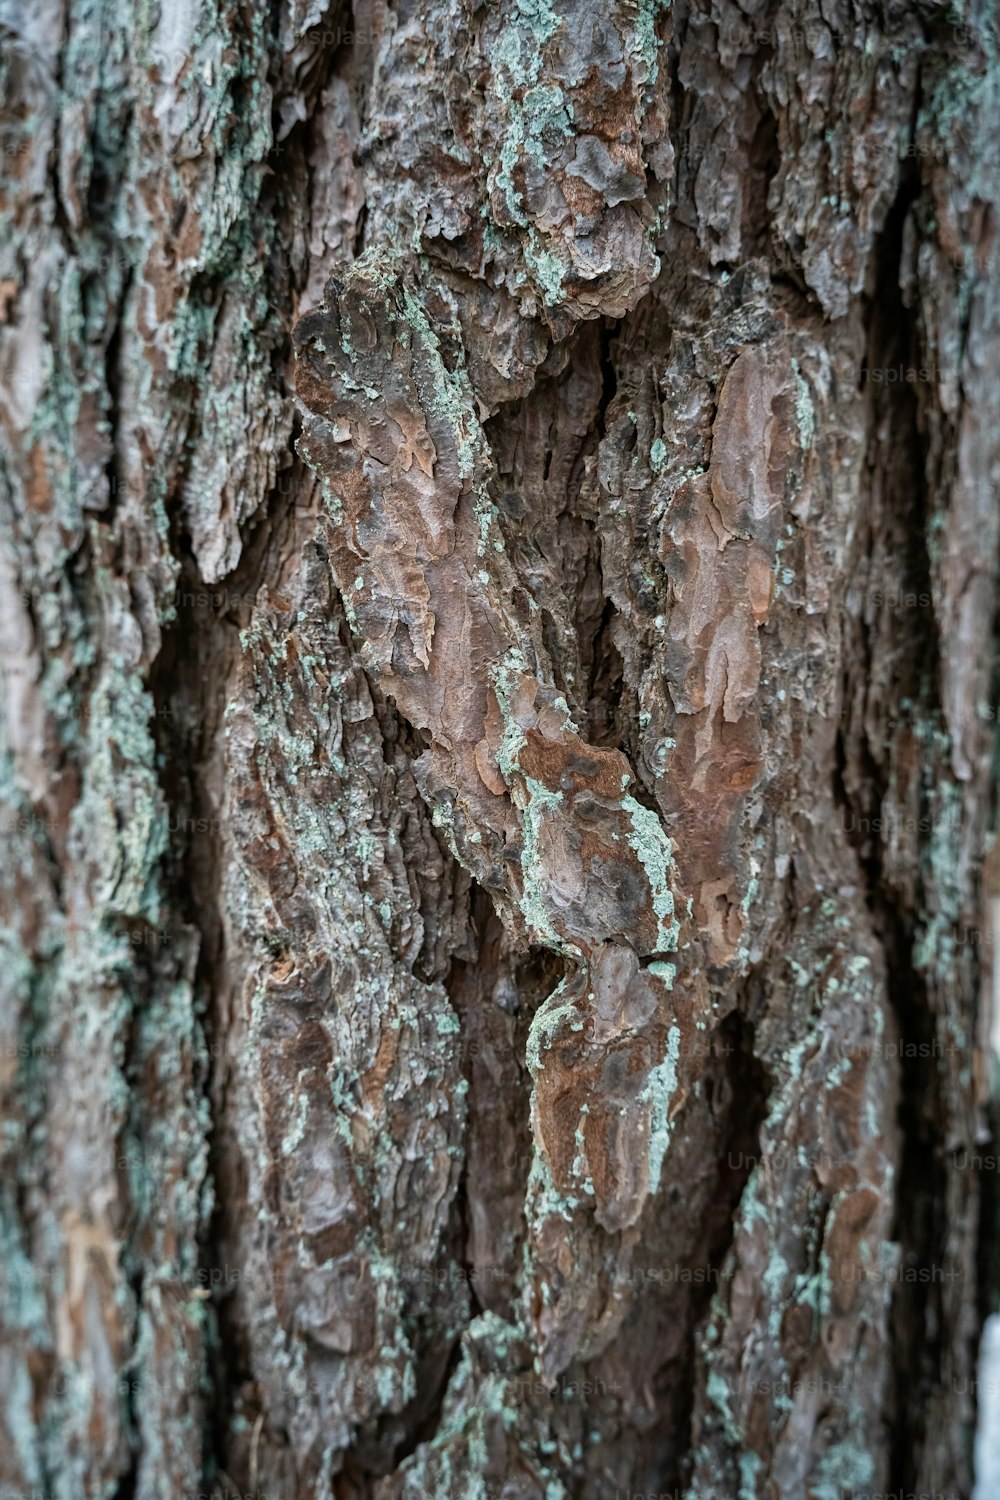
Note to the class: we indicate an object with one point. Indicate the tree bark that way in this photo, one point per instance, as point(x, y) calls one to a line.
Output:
point(499, 550)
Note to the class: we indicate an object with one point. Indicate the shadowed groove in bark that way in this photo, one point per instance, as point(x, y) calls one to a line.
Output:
point(983, 937)
point(181, 685)
point(187, 684)
point(896, 455)
point(920, 1229)
point(463, 993)
point(737, 1089)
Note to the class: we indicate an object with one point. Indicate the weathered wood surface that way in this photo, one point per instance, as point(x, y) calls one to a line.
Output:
point(498, 531)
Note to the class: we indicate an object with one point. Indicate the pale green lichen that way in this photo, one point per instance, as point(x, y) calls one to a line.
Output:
point(545, 1199)
point(717, 1392)
point(448, 393)
point(295, 1133)
point(580, 1168)
point(648, 840)
point(935, 948)
point(666, 972)
point(551, 1016)
point(750, 1467)
point(534, 900)
point(548, 270)
point(805, 413)
point(647, 41)
point(843, 1469)
point(658, 1094)
point(538, 116)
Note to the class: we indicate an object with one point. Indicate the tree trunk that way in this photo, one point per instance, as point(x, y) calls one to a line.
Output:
point(499, 553)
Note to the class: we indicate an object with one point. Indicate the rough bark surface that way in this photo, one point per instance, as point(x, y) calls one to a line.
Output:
point(498, 544)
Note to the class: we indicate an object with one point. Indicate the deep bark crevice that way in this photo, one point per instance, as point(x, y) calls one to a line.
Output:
point(188, 687)
point(182, 692)
point(897, 451)
point(921, 1205)
point(984, 941)
point(737, 1088)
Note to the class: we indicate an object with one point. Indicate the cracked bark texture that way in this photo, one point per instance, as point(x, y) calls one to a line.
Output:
point(498, 531)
